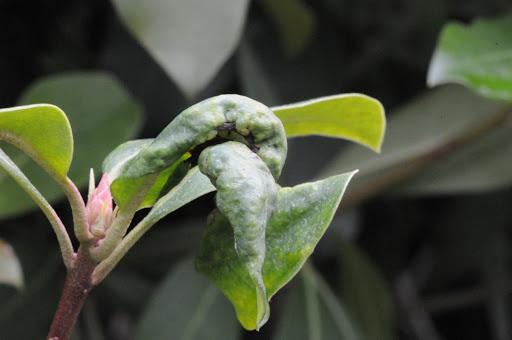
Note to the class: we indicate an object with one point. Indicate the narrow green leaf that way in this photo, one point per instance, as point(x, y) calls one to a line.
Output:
point(301, 216)
point(11, 272)
point(192, 186)
point(355, 117)
point(477, 55)
point(107, 118)
point(191, 39)
point(313, 312)
point(187, 307)
point(295, 22)
point(443, 114)
point(365, 294)
point(43, 132)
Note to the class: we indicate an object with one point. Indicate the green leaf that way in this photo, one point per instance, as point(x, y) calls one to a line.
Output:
point(196, 125)
point(301, 216)
point(187, 306)
point(295, 22)
point(107, 118)
point(246, 196)
point(355, 117)
point(313, 312)
point(191, 39)
point(43, 132)
point(477, 55)
point(192, 186)
point(11, 272)
point(165, 180)
point(444, 114)
point(365, 294)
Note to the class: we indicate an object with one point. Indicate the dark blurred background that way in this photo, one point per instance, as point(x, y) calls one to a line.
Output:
point(427, 265)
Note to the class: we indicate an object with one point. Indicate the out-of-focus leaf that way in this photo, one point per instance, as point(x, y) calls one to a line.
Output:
point(102, 115)
point(301, 217)
point(295, 23)
point(191, 39)
point(477, 55)
point(313, 312)
point(42, 131)
point(11, 272)
point(441, 116)
point(355, 117)
point(267, 74)
point(35, 304)
point(166, 179)
point(365, 294)
point(255, 82)
point(480, 166)
point(187, 306)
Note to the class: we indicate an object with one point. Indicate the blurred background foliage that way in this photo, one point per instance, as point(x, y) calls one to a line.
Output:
point(421, 246)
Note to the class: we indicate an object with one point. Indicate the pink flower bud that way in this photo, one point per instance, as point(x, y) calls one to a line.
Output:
point(99, 206)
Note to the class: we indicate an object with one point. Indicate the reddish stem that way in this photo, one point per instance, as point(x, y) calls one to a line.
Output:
point(77, 286)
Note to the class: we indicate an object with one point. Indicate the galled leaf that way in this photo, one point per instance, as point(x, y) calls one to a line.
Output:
point(165, 180)
point(246, 196)
point(355, 117)
point(301, 216)
point(227, 116)
point(10, 267)
point(477, 55)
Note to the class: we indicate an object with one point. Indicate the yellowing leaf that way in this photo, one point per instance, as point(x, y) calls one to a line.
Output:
point(354, 117)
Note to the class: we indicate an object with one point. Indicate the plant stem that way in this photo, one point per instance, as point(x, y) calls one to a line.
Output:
point(77, 287)
point(78, 209)
point(66, 247)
